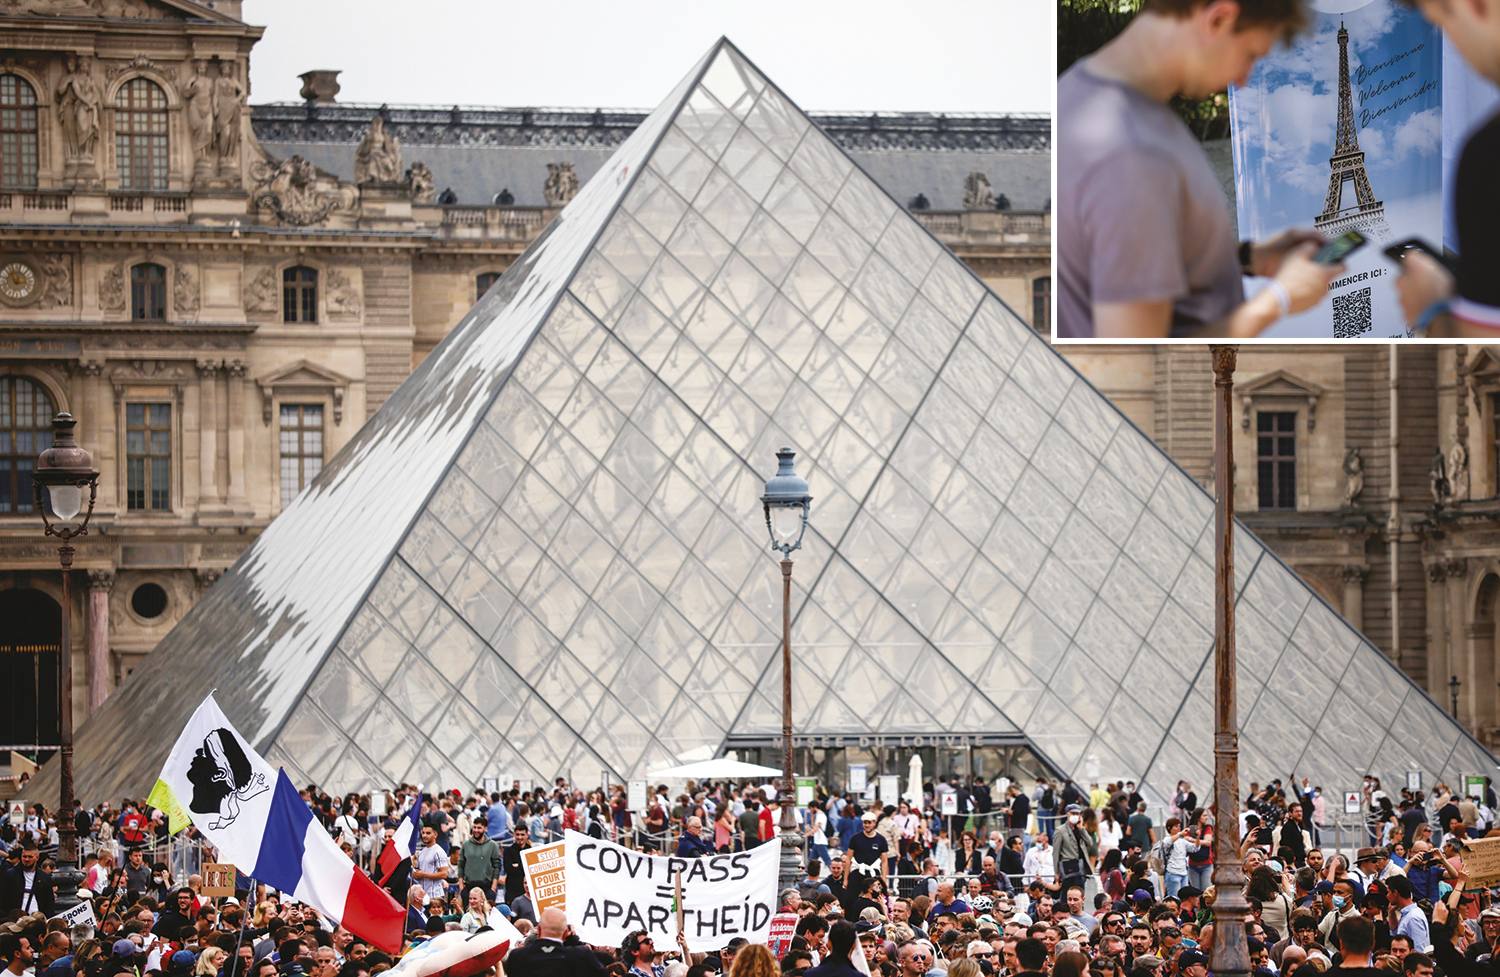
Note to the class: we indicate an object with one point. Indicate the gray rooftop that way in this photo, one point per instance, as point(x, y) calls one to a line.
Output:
point(477, 152)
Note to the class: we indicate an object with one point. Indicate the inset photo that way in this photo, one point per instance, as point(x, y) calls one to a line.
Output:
point(1275, 170)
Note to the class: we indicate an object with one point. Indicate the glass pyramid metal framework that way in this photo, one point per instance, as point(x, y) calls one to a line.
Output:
point(544, 555)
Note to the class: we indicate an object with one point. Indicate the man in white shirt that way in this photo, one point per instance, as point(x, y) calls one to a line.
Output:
point(1038, 863)
point(430, 865)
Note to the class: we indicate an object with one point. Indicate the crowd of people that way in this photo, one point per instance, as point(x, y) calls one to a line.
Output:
point(1047, 878)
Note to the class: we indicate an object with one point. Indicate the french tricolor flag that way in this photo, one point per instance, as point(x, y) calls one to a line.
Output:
point(253, 815)
point(299, 857)
point(400, 845)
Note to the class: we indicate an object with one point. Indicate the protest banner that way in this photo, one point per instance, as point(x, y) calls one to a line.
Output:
point(783, 928)
point(545, 875)
point(612, 890)
point(80, 915)
point(218, 880)
point(1482, 860)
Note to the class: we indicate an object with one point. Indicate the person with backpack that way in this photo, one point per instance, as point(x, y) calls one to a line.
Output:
point(1046, 807)
point(1073, 850)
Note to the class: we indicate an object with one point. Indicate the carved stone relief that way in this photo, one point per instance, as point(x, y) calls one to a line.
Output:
point(343, 296)
point(185, 292)
point(419, 180)
point(112, 289)
point(57, 269)
point(126, 9)
point(296, 194)
point(261, 294)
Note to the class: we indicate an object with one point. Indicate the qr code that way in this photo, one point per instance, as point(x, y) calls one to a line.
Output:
point(1351, 314)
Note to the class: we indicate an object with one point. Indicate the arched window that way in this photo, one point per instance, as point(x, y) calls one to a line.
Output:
point(25, 432)
point(141, 135)
point(1041, 304)
point(148, 292)
point(17, 133)
point(483, 282)
point(299, 294)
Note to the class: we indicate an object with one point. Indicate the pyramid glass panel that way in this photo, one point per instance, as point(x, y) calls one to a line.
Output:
point(552, 532)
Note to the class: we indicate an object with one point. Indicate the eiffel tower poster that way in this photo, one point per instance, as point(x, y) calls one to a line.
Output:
point(1346, 169)
point(1338, 131)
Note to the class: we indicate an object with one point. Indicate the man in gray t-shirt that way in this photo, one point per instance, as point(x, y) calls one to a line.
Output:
point(1145, 244)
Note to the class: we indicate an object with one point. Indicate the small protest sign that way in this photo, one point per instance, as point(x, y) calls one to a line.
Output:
point(218, 880)
point(612, 890)
point(949, 802)
point(1482, 860)
point(783, 928)
point(80, 915)
point(1351, 802)
point(545, 875)
point(637, 795)
point(17, 813)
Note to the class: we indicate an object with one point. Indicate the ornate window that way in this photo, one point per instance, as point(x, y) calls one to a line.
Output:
point(141, 135)
point(25, 431)
point(301, 447)
point(299, 294)
point(1041, 304)
point(18, 154)
point(148, 457)
point(1276, 458)
point(483, 282)
point(148, 292)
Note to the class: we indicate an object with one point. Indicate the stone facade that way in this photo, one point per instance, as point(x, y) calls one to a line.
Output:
point(222, 340)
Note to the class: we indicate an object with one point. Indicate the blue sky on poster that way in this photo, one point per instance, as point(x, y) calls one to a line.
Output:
point(867, 55)
point(1286, 116)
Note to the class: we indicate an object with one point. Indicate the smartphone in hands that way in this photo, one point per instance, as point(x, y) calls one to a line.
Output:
point(1340, 248)
point(1400, 249)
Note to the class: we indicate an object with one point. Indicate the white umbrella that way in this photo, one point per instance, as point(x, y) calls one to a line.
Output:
point(914, 780)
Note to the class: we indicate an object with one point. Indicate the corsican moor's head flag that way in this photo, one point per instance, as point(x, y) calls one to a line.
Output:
point(253, 815)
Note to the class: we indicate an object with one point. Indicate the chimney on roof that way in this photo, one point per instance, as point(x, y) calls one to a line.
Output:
point(320, 86)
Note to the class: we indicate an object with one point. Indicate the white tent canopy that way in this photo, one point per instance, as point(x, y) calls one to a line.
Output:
point(721, 768)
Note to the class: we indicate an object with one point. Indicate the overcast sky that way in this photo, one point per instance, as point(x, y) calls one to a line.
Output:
point(887, 55)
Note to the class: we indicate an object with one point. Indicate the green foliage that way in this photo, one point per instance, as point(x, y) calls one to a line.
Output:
point(1084, 26)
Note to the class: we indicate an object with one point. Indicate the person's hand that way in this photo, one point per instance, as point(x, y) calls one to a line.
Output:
point(1266, 256)
point(1305, 280)
point(1423, 281)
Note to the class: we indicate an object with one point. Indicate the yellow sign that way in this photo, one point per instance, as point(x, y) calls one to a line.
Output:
point(546, 873)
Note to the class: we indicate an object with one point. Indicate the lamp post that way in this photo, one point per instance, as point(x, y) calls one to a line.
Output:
point(787, 502)
point(1231, 954)
point(1453, 686)
point(64, 470)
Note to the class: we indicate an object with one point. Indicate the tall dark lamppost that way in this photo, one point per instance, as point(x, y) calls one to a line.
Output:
point(787, 503)
point(1453, 686)
point(64, 470)
point(1231, 954)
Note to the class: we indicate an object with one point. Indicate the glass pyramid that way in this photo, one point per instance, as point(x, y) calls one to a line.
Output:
point(545, 555)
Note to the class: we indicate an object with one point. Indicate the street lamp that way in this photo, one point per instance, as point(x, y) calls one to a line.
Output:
point(1231, 954)
point(787, 502)
point(64, 470)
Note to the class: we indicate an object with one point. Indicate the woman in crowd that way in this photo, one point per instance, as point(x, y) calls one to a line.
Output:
point(968, 860)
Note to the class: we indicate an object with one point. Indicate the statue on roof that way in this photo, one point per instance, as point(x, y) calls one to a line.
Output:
point(378, 159)
point(978, 195)
point(419, 180)
point(561, 185)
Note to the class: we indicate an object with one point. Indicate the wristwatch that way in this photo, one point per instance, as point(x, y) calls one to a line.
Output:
point(1246, 257)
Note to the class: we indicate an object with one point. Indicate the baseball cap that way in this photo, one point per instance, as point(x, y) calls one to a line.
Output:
point(1021, 918)
point(1188, 958)
point(184, 959)
point(979, 948)
point(1140, 895)
point(868, 816)
point(1323, 887)
point(1493, 912)
point(1072, 809)
point(125, 948)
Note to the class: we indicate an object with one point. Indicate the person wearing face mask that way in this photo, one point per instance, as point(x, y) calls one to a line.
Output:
point(1074, 849)
point(1344, 906)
